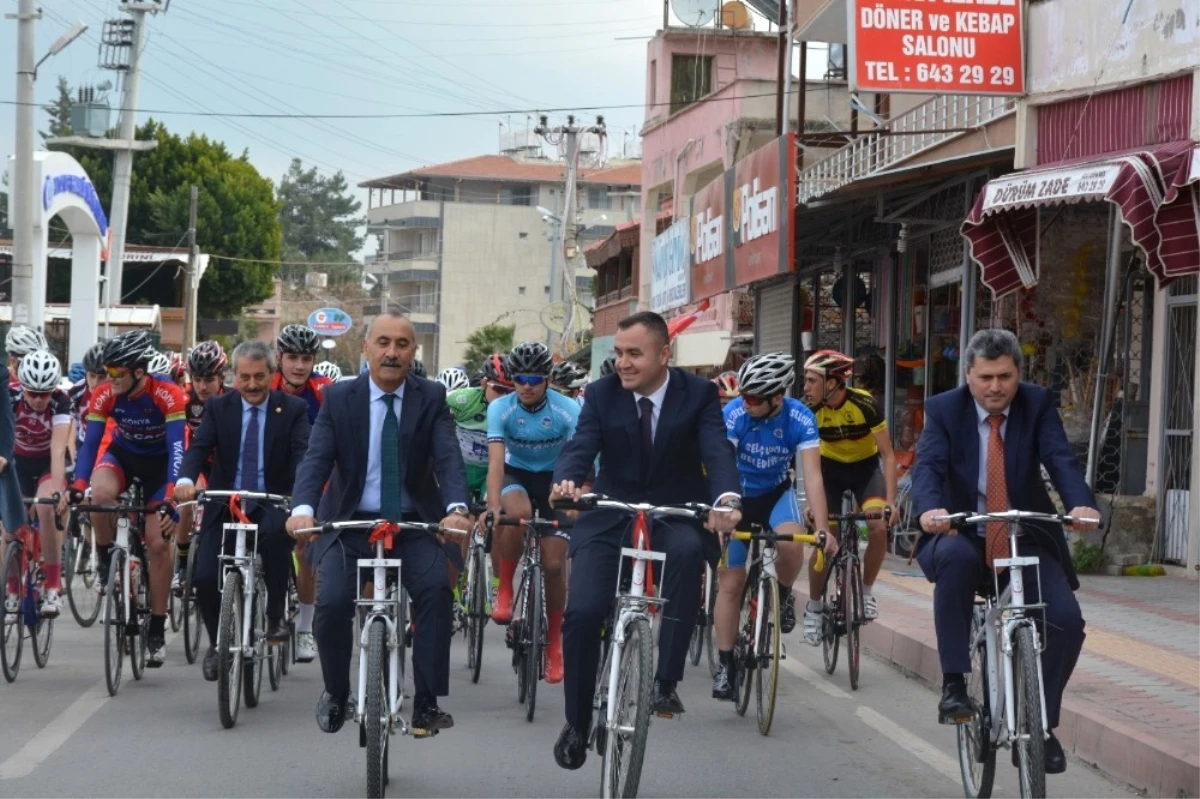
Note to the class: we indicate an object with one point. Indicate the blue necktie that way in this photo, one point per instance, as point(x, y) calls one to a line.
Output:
point(250, 454)
point(389, 462)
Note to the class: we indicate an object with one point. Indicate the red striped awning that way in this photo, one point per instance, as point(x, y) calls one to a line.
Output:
point(1178, 220)
point(1001, 229)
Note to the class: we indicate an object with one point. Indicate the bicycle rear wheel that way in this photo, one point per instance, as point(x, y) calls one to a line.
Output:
point(174, 604)
point(256, 665)
point(192, 620)
point(476, 613)
point(115, 634)
point(853, 603)
point(625, 745)
point(976, 754)
point(696, 642)
point(743, 658)
point(831, 618)
point(12, 627)
point(229, 650)
point(1031, 742)
point(766, 681)
point(376, 713)
point(79, 572)
point(41, 636)
point(139, 617)
point(535, 630)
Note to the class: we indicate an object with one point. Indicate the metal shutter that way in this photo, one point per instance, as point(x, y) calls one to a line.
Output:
point(773, 317)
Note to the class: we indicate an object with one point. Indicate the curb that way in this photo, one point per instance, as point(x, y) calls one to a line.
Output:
point(1149, 764)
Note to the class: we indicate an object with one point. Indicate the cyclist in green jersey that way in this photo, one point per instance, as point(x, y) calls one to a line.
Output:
point(468, 408)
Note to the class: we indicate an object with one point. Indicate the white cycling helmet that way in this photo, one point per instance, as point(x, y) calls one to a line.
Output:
point(39, 371)
point(22, 340)
point(328, 369)
point(160, 364)
point(453, 378)
point(767, 375)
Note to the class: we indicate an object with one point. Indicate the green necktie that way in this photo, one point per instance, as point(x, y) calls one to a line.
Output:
point(389, 460)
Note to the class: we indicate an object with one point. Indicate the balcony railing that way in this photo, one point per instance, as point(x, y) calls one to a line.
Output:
point(921, 128)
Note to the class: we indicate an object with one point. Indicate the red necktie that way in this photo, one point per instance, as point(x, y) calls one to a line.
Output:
point(996, 541)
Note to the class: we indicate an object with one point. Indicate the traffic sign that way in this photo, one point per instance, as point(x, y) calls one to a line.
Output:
point(329, 321)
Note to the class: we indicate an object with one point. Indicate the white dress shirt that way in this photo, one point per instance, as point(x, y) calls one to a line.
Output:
point(262, 437)
point(985, 435)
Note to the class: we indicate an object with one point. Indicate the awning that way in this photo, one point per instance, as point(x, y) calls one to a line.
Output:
point(1002, 226)
point(1178, 220)
point(708, 348)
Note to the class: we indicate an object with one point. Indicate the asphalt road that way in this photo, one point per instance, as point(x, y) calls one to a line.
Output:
point(62, 735)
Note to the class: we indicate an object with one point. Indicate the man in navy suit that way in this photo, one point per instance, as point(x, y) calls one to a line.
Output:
point(995, 414)
point(661, 439)
point(389, 442)
point(250, 439)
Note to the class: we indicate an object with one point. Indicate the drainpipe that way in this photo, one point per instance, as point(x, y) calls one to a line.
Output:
point(1106, 342)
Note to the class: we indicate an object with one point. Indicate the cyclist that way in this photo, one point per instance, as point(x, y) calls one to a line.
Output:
point(727, 387)
point(767, 428)
point(147, 443)
point(526, 432)
point(160, 366)
point(42, 416)
point(469, 409)
point(297, 347)
point(568, 379)
point(328, 369)
point(854, 442)
point(454, 378)
point(417, 369)
point(80, 394)
point(19, 342)
point(609, 366)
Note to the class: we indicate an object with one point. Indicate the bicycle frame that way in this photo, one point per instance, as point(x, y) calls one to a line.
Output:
point(383, 605)
point(245, 560)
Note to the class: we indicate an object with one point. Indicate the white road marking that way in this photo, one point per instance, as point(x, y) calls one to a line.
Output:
point(905, 739)
point(812, 678)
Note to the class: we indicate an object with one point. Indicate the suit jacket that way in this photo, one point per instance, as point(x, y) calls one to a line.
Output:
point(693, 459)
point(431, 463)
point(12, 511)
point(285, 440)
point(946, 474)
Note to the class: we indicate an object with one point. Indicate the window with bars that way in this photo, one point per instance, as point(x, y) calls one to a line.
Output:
point(691, 79)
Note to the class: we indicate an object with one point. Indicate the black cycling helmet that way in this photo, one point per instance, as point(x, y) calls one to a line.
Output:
point(417, 368)
point(93, 359)
point(609, 366)
point(530, 358)
point(132, 350)
point(476, 379)
point(207, 359)
point(568, 375)
point(298, 340)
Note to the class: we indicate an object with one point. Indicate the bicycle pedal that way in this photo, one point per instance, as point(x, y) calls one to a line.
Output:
point(956, 720)
point(664, 715)
point(420, 733)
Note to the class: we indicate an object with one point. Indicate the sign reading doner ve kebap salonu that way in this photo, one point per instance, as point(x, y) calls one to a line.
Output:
point(937, 46)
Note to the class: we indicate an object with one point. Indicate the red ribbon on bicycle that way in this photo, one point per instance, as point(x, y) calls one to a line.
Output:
point(384, 531)
point(235, 509)
point(642, 526)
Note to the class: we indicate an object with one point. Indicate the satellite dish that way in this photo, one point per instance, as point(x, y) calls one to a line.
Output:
point(554, 316)
point(735, 16)
point(695, 13)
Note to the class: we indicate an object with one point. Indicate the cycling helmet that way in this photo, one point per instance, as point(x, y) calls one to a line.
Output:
point(132, 350)
point(22, 340)
point(93, 359)
point(454, 377)
point(207, 359)
point(159, 364)
point(417, 368)
point(530, 358)
point(298, 340)
point(727, 385)
point(831, 363)
point(495, 369)
point(569, 375)
point(39, 371)
point(76, 372)
point(328, 369)
point(609, 366)
point(476, 379)
point(767, 375)
point(177, 371)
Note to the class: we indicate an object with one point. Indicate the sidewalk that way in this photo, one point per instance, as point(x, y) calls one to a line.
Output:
point(1132, 707)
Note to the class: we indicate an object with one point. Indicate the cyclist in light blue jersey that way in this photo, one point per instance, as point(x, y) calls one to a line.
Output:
point(526, 431)
point(767, 428)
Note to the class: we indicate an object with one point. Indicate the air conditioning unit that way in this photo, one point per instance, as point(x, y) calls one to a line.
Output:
point(316, 280)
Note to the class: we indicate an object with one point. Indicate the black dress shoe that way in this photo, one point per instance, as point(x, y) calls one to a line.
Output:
point(331, 712)
point(428, 718)
point(666, 700)
point(278, 631)
point(956, 707)
point(1056, 758)
point(212, 664)
point(570, 750)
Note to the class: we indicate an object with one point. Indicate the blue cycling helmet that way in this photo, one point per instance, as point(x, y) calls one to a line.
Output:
point(76, 372)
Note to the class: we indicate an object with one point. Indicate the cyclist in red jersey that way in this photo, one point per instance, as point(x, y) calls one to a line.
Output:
point(19, 342)
point(147, 443)
point(298, 346)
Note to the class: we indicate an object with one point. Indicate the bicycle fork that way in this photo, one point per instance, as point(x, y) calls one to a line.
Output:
point(380, 600)
point(1011, 625)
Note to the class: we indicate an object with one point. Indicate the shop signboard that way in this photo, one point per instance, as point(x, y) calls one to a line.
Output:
point(329, 321)
point(937, 46)
point(1084, 183)
point(671, 281)
point(709, 240)
point(763, 201)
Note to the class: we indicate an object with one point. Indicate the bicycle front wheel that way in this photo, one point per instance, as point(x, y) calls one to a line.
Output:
point(766, 681)
point(743, 656)
point(832, 618)
point(79, 572)
point(535, 630)
point(476, 612)
point(376, 712)
point(710, 605)
point(1027, 689)
point(976, 754)
point(192, 621)
point(625, 742)
point(256, 665)
point(115, 610)
point(229, 650)
point(852, 600)
point(41, 636)
point(12, 624)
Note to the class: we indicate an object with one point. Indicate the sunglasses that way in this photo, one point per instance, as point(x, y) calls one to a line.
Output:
point(37, 395)
point(529, 380)
point(115, 372)
point(499, 389)
point(754, 402)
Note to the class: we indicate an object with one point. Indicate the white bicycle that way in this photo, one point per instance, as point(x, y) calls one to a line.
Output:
point(1005, 684)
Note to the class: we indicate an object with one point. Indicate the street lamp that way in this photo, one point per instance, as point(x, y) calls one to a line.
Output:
point(69, 35)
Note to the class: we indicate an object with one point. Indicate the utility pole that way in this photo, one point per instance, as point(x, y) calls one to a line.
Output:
point(785, 70)
point(21, 198)
point(191, 283)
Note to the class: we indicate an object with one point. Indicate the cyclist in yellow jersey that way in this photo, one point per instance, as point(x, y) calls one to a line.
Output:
point(856, 456)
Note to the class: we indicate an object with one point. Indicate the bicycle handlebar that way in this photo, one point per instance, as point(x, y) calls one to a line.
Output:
point(766, 534)
point(539, 525)
point(863, 516)
point(688, 510)
point(208, 495)
point(957, 519)
point(53, 499)
point(432, 528)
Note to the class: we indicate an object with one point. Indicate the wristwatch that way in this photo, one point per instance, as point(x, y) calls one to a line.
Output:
point(731, 502)
point(460, 509)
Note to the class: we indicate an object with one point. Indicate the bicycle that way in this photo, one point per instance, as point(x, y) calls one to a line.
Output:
point(757, 647)
point(625, 683)
point(242, 648)
point(81, 563)
point(1005, 683)
point(379, 696)
point(702, 635)
point(24, 583)
point(526, 635)
point(476, 595)
point(844, 613)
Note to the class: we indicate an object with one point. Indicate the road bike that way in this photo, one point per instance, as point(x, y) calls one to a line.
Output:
point(757, 648)
point(24, 581)
point(844, 612)
point(193, 621)
point(475, 593)
point(702, 635)
point(81, 570)
point(1005, 684)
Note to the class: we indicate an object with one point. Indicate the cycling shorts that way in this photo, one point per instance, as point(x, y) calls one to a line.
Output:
point(151, 470)
point(476, 481)
point(31, 473)
point(772, 509)
point(864, 479)
point(536, 486)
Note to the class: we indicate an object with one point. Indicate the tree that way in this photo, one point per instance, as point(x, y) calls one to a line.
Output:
point(59, 112)
point(485, 341)
point(319, 220)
